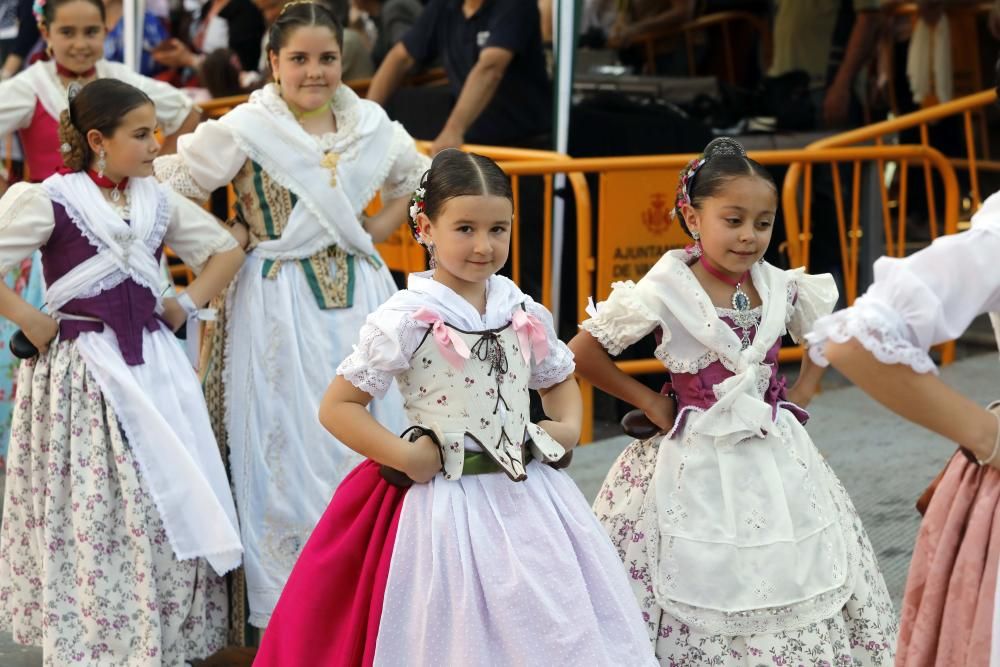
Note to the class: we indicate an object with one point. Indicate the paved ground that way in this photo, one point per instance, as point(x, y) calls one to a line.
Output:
point(883, 462)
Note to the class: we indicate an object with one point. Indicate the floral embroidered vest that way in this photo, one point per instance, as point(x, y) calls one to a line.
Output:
point(265, 206)
point(484, 397)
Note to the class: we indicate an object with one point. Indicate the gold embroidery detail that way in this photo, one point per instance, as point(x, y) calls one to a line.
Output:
point(329, 163)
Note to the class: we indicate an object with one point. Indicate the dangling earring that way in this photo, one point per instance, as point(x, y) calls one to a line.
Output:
point(49, 52)
point(430, 251)
point(102, 163)
point(694, 250)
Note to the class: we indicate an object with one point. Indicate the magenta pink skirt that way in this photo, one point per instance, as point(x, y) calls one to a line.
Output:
point(948, 606)
point(328, 614)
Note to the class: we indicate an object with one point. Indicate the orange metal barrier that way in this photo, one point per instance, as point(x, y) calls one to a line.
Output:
point(884, 132)
point(636, 222)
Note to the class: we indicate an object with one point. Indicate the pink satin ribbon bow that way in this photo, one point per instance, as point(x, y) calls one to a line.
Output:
point(451, 345)
point(531, 335)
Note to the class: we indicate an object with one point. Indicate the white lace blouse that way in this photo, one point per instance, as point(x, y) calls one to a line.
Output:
point(27, 221)
point(390, 336)
point(927, 298)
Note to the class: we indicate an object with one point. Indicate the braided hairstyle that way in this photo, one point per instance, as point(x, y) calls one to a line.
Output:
point(100, 105)
point(455, 173)
point(724, 159)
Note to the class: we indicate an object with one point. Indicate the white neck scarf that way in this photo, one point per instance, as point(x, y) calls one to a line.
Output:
point(329, 200)
point(124, 250)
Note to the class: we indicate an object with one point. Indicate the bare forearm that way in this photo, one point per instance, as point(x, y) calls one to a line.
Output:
point(476, 94)
point(385, 222)
point(190, 123)
point(390, 74)
point(218, 272)
point(14, 308)
point(594, 364)
point(350, 422)
point(563, 404)
point(922, 398)
point(860, 46)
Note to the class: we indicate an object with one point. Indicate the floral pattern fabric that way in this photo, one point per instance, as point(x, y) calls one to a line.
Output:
point(86, 570)
point(864, 633)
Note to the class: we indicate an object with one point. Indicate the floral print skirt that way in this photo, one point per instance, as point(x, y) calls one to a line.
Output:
point(863, 633)
point(86, 570)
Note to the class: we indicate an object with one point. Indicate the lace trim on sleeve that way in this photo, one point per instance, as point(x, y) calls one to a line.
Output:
point(377, 358)
point(879, 330)
point(403, 182)
point(622, 320)
point(170, 169)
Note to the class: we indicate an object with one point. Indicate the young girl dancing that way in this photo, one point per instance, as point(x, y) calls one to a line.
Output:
point(118, 518)
point(305, 157)
point(741, 543)
point(491, 556)
point(31, 103)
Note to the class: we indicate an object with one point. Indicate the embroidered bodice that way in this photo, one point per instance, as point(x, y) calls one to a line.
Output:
point(128, 307)
point(694, 391)
point(475, 385)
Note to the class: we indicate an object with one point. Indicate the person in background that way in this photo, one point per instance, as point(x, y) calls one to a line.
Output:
point(492, 53)
point(154, 32)
point(391, 20)
point(831, 40)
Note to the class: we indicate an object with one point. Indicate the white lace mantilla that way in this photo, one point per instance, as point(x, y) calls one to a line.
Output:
point(877, 328)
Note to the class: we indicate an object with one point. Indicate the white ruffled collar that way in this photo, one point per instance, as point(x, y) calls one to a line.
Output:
point(502, 298)
point(345, 107)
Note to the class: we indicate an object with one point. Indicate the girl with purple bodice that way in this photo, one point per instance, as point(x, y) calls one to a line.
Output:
point(118, 519)
point(741, 544)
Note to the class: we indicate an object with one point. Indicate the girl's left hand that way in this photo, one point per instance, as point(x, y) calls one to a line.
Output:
point(173, 314)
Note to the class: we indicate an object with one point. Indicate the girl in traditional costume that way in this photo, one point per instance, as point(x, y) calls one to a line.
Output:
point(31, 103)
point(949, 615)
point(305, 157)
point(478, 551)
point(742, 545)
point(118, 519)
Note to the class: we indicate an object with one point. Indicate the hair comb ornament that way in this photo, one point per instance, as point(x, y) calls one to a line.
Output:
point(38, 10)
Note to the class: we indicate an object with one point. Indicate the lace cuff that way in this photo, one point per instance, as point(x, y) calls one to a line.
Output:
point(388, 341)
point(622, 320)
point(878, 328)
point(408, 166)
point(367, 379)
point(170, 169)
point(813, 298)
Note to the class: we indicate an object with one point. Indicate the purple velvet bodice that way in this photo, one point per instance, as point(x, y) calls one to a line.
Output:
point(128, 308)
point(694, 390)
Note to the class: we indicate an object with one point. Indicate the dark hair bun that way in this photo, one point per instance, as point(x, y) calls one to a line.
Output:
point(724, 147)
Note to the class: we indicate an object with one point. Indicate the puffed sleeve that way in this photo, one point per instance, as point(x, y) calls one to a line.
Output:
point(193, 233)
point(17, 104)
point(927, 298)
point(407, 167)
point(206, 159)
point(26, 222)
point(813, 297)
point(172, 105)
point(386, 343)
point(629, 314)
point(558, 364)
